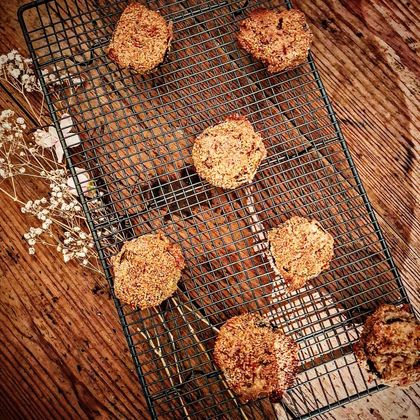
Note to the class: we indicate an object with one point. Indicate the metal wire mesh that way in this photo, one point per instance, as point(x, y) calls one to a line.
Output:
point(137, 133)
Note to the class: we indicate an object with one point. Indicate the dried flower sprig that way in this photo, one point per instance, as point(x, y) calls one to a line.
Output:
point(17, 72)
point(60, 220)
point(38, 153)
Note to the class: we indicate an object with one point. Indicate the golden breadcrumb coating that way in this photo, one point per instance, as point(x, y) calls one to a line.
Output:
point(257, 359)
point(389, 346)
point(147, 270)
point(141, 39)
point(280, 39)
point(228, 154)
point(301, 249)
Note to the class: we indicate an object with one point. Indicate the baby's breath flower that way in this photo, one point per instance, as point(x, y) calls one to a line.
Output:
point(18, 71)
point(6, 113)
point(11, 55)
point(46, 224)
point(15, 73)
point(58, 215)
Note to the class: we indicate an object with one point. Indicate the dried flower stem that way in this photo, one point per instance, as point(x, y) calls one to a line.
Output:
point(202, 348)
point(215, 329)
point(158, 352)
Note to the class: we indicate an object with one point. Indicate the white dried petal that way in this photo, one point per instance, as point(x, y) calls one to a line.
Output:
point(15, 73)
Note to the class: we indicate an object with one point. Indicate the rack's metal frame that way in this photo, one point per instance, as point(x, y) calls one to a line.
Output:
point(125, 222)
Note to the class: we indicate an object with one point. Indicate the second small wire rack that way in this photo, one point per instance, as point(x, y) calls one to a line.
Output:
point(137, 133)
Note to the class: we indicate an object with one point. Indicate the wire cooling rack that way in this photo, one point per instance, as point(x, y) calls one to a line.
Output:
point(137, 133)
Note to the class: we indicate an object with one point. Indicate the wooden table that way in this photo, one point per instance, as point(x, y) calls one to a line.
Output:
point(62, 352)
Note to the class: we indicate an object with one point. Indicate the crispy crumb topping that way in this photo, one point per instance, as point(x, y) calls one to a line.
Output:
point(301, 249)
point(141, 39)
point(147, 270)
point(280, 39)
point(228, 154)
point(389, 346)
point(256, 359)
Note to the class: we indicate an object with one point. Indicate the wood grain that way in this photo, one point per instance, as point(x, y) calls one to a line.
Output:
point(62, 352)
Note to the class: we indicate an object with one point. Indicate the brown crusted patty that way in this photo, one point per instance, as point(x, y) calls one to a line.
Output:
point(389, 346)
point(228, 154)
point(257, 360)
point(280, 39)
point(301, 249)
point(141, 39)
point(147, 270)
